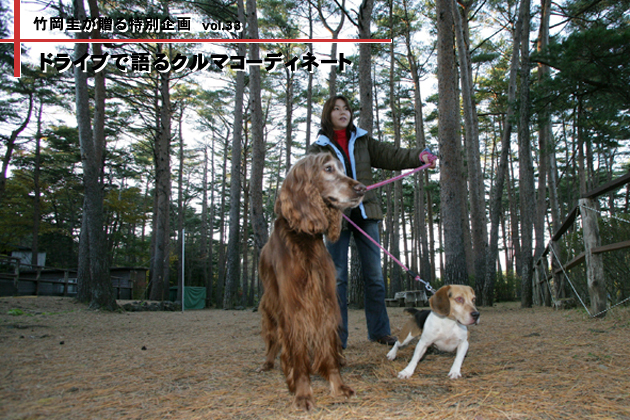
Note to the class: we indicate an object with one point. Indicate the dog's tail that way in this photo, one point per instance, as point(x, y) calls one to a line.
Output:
point(420, 316)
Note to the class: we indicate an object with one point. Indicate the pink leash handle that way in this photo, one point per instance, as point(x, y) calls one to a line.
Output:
point(432, 159)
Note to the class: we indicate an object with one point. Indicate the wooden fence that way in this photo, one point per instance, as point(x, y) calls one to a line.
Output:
point(543, 291)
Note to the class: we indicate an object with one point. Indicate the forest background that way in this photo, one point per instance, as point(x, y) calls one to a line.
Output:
point(530, 112)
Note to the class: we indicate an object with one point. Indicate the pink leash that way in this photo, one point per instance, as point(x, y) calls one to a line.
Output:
point(411, 273)
point(432, 158)
point(415, 276)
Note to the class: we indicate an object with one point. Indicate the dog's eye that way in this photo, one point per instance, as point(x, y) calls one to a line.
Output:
point(329, 168)
point(459, 299)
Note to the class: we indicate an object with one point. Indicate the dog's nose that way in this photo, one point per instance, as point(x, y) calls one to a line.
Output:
point(475, 316)
point(360, 189)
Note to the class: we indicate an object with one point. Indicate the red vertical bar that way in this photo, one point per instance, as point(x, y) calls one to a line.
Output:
point(17, 45)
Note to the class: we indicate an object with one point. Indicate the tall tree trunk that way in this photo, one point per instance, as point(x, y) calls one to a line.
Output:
point(234, 243)
point(388, 229)
point(441, 246)
point(426, 266)
point(479, 234)
point(514, 220)
point(526, 167)
point(332, 75)
point(332, 78)
point(309, 88)
point(556, 222)
point(544, 137)
point(581, 140)
point(36, 190)
point(255, 289)
point(10, 147)
point(288, 107)
point(431, 231)
point(405, 251)
point(162, 226)
point(259, 224)
point(509, 257)
point(396, 276)
point(450, 149)
point(221, 257)
point(204, 253)
point(244, 236)
point(356, 289)
point(181, 281)
point(210, 286)
point(94, 282)
point(365, 65)
point(496, 194)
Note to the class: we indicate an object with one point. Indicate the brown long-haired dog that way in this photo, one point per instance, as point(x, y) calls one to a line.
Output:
point(299, 308)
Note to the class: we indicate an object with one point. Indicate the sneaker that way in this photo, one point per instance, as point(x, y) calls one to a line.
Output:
point(387, 339)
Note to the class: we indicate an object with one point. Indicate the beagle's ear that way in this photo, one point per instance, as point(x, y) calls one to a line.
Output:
point(440, 302)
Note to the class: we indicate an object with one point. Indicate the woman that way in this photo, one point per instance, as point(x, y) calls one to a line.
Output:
point(359, 153)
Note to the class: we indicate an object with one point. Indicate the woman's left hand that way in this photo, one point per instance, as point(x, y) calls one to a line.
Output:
point(427, 157)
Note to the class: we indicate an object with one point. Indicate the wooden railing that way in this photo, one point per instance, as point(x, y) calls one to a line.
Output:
point(592, 255)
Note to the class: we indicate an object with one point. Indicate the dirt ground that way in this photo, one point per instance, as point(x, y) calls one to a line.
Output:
point(60, 360)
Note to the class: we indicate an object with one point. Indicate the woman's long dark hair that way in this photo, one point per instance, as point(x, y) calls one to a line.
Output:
point(327, 125)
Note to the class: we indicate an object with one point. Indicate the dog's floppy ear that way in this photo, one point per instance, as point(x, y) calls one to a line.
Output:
point(299, 201)
point(440, 302)
point(334, 223)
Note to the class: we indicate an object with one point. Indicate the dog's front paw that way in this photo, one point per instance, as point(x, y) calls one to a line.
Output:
point(346, 391)
point(304, 402)
point(405, 374)
point(265, 367)
point(392, 354)
point(454, 374)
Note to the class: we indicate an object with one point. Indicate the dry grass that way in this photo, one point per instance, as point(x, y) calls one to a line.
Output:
point(62, 361)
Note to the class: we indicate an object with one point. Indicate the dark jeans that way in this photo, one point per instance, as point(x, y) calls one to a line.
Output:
point(370, 256)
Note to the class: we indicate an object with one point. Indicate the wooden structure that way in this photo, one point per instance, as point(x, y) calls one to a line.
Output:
point(592, 254)
point(410, 298)
point(9, 274)
point(128, 282)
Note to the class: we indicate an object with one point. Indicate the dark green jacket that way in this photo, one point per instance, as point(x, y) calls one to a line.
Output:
point(365, 154)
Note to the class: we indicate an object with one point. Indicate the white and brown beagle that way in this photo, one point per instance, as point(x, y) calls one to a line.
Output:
point(444, 326)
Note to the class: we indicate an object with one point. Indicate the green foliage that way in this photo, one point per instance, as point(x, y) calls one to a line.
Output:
point(593, 64)
point(15, 312)
point(60, 202)
point(277, 20)
point(507, 287)
point(593, 79)
point(616, 263)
